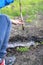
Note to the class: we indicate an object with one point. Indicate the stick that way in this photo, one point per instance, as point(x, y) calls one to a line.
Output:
point(21, 14)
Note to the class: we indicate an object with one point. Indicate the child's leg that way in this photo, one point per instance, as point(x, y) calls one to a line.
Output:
point(5, 43)
point(3, 27)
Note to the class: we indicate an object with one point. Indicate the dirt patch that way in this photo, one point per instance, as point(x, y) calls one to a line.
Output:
point(34, 56)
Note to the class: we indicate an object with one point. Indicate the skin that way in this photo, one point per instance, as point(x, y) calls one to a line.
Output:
point(17, 22)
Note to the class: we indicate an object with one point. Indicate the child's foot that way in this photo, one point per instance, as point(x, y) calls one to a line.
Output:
point(10, 60)
point(3, 62)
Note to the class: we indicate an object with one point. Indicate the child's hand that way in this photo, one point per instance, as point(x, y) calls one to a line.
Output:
point(17, 21)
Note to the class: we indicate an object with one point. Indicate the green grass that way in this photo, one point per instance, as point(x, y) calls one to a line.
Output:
point(41, 42)
point(31, 18)
point(22, 49)
point(29, 7)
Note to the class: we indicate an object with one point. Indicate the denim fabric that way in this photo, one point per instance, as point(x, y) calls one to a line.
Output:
point(5, 2)
point(5, 26)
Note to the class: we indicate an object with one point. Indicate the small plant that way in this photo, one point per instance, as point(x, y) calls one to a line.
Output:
point(41, 42)
point(29, 20)
point(22, 49)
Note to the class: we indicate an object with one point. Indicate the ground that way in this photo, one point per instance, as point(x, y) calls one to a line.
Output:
point(34, 56)
point(32, 31)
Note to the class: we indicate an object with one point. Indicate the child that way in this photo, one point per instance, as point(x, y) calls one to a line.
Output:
point(5, 28)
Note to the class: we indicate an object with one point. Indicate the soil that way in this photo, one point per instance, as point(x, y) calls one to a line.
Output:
point(34, 56)
point(34, 32)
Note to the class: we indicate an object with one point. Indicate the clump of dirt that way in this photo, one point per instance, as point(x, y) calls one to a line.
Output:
point(18, 38)
point(27, 38)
